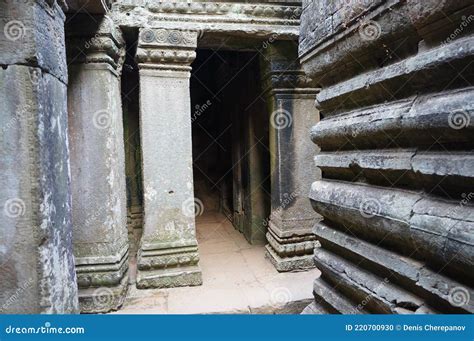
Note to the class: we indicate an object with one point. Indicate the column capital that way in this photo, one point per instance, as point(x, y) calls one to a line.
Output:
point(282, 72)
point(166, 49)
point(94, 39)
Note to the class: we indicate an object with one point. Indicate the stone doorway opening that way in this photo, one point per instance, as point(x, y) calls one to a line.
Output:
point(231, 166)
point(231, 169)
point(231, 156)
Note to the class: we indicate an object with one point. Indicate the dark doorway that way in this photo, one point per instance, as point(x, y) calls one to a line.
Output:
point(231, 160)
point(131, 118)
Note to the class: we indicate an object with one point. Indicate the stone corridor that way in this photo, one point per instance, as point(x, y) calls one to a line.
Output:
point(193, 156)
point(237, 278)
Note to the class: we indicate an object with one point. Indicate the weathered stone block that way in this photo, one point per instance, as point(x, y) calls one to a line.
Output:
point(37, 268)
point(33, 34)
point(396, 143)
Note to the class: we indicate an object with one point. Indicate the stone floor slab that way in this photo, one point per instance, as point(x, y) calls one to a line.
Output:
point(237, 278)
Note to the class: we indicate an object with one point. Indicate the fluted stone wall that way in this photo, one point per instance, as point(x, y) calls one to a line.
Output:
point(396, 140)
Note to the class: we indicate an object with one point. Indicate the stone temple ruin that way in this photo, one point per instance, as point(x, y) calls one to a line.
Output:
point(336, 134)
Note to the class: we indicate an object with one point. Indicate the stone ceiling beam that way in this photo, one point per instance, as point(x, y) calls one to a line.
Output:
point(263, 21)
point(88, 6)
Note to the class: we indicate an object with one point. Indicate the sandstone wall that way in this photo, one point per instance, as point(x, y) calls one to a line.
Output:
point(396, 140)
point(36, 264)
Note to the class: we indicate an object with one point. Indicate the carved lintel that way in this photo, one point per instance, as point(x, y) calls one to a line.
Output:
point(214, 8)
point(166, 49)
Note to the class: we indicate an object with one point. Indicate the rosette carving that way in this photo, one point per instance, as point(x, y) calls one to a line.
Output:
point(164, 37)
point(163, 46)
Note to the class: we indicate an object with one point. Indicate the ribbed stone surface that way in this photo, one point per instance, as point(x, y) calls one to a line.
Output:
point(396, 157)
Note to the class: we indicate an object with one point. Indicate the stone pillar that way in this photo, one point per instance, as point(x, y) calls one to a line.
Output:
point(95, 55)
point(168, 255)
point(237, 188)
point(255, 161)
point(37, 272)
point(291, 104)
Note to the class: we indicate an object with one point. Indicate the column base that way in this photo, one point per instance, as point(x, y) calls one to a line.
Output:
point(102, 280)
point(169, 278)
point(290, 251)
point(103, 299)
point(286, 264)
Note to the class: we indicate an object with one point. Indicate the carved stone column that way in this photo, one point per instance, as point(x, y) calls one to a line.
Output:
point(37, 273)
point(168, 255)
point(95, 54)
point(291, 104)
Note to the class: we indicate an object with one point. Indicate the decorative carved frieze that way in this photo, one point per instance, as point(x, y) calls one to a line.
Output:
point(164, 49)
point(166, 258)
point(287, 79)
point(215, 8)
point(167, 38)
point(239, 19)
